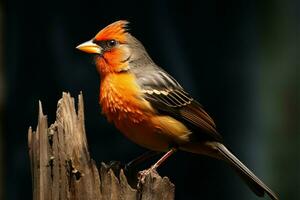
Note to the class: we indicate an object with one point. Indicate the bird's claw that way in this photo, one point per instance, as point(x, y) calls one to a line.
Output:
point(142, 175)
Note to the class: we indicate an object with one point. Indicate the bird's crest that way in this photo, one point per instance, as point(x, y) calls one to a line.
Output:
point(116, 31)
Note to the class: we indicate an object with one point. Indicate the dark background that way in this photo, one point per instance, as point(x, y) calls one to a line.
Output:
point(239, 58)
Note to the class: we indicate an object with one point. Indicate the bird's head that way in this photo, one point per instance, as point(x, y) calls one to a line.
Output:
point(114, 48)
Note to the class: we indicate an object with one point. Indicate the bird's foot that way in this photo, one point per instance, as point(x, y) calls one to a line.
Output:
point(143, 174)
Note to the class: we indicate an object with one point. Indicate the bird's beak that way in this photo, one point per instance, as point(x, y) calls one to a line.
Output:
point(90, 47)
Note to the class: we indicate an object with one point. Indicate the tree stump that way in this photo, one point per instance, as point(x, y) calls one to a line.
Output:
point(61, 166)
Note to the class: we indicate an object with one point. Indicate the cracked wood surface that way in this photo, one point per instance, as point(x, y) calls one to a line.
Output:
point(61, 166)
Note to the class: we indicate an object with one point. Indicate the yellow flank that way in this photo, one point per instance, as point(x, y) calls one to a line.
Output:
point(171, 127)
point(123, 104)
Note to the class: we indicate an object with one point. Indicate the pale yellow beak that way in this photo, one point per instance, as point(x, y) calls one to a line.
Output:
point(90, 47)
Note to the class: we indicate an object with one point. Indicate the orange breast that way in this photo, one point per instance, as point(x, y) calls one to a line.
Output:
point(122, 103)
point(120, 98)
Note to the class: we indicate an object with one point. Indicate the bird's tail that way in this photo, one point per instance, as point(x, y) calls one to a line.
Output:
point(254, 183)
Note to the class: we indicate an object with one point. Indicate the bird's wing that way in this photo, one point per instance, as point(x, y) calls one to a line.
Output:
point(166, 96)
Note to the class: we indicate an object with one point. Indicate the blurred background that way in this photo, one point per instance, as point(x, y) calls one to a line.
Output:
point(239, 58)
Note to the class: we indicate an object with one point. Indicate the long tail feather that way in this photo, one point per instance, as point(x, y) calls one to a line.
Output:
point(255, 184)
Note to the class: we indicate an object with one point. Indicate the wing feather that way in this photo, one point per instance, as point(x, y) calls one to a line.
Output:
point(166, 96)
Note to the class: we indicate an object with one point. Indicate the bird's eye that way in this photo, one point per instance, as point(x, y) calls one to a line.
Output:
point(111, 43)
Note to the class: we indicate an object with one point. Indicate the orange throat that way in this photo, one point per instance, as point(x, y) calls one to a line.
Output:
point(106, 65)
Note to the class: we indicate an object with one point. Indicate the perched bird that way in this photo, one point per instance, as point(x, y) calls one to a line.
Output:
point(151, 108)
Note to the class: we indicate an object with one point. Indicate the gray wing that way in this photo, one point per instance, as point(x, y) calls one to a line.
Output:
point(167, 96)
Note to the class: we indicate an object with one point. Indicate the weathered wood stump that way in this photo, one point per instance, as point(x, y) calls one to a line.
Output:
point(61, 166)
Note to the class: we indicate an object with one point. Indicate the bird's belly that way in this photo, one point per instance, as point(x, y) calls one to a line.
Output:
point(157, 133)
point(144, 134)
point(146, 128)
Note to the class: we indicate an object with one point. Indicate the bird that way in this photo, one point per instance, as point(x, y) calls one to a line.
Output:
point(151, 108)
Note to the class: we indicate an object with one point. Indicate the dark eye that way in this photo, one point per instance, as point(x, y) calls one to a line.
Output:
point(111, 43)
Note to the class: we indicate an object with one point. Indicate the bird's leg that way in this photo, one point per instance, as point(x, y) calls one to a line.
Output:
point(163, 158)
point(147, 155)
point(143, 174)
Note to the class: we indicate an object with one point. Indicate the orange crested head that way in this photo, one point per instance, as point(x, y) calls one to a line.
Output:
point(111, 47)
point(116, 31)
point(114, 48)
